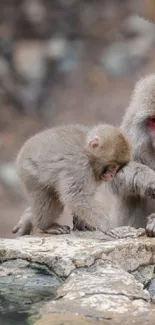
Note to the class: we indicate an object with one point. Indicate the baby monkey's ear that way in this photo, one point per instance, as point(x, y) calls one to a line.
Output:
point(94, 143)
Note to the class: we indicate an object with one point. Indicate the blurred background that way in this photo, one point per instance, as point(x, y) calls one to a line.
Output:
point(65, 61)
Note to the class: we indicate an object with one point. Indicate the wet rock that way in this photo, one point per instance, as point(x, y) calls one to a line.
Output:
point(30, 282)
point(151, 288)
point(31, 276)
point(12, 317)
point(144, 274)
point(92, 274)
point(22, 286)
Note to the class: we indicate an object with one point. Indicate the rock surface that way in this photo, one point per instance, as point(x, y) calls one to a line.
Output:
point(94, 276)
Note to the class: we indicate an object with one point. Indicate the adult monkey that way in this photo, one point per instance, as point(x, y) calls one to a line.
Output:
point(129, 199)
point(132, 201)
point(139, 124)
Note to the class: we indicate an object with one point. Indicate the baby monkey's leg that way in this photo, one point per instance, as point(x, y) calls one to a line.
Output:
point(25, 224)
point(81, 225)
point(47, 208)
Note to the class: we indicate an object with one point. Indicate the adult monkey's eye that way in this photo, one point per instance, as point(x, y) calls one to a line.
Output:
point(152, 119)
point(152, 123)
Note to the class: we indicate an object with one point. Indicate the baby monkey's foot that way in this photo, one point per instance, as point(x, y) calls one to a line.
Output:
point(124, 232)
point(150, 227)
point(57, 229)
point(22, 228)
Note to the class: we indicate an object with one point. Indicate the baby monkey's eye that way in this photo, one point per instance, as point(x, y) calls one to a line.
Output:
point(109, 168)
point(109, 172)
point(105, 169)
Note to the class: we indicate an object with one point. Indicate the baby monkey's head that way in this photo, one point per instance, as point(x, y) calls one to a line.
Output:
point(109, 150)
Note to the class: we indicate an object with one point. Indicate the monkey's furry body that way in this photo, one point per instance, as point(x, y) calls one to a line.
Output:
point(63, 166)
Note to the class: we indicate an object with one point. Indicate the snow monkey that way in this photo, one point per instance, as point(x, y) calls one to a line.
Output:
point(129, 199)
point(63, 167)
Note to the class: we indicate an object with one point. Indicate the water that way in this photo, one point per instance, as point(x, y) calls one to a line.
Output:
point(14, 318)
point(23, 289)
point(17, 304)
point(12, 313)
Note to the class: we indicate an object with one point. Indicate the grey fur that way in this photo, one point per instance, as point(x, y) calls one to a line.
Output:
point(59, 168)
point(133, 190)
point(129, 199)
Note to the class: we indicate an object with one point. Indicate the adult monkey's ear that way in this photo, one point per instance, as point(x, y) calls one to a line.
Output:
point(145, 8)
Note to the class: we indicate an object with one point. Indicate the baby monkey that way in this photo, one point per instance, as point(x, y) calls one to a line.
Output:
point(63, 167)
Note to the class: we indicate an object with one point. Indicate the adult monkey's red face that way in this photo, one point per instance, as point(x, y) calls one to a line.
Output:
point(152, 128)
point(152, 122)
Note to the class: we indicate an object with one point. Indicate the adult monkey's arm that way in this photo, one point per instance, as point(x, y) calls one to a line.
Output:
point(135, 179)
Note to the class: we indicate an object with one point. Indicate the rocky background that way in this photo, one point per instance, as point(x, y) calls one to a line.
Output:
point(65, 61)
